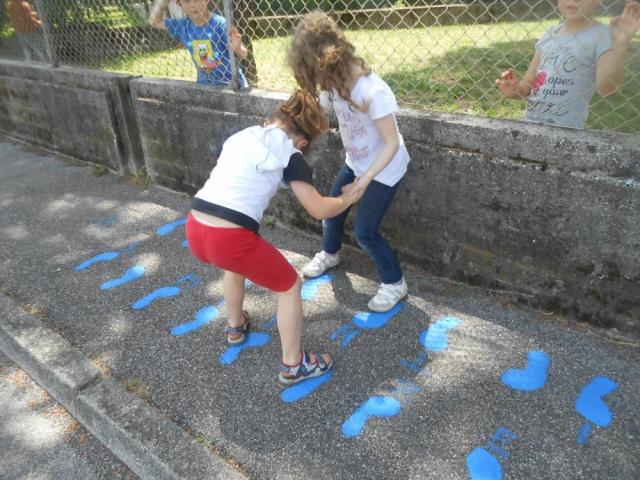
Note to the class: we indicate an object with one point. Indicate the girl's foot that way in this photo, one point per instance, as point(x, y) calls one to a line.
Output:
point(311, 365)
point(237, 335)
point(389, 294)
point(322, 262)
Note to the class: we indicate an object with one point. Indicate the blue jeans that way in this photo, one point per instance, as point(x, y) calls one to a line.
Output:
point(373, 205)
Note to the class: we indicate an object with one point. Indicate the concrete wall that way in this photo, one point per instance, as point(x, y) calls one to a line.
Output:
point(551, 213)
point(86, 114)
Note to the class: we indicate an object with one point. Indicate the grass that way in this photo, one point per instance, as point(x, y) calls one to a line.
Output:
point(442, 68)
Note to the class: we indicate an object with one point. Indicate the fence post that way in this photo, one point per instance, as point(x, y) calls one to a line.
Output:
point(46, 30)
point(228, 14)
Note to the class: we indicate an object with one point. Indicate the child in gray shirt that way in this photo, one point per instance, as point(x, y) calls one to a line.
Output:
point(572, 61)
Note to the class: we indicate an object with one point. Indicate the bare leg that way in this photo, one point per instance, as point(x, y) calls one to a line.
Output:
point(290, 323)
point(233, 287)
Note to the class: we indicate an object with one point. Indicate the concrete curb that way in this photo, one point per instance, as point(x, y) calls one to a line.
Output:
point(146, 441)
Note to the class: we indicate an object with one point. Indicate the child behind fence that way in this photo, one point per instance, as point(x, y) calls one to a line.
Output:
point(572, 61)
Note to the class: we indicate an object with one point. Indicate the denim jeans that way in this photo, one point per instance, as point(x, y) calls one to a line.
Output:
point(372, 206)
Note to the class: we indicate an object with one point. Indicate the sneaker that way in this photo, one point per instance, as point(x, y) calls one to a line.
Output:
point(322, 262)
point(311, 365)
point(389, 294)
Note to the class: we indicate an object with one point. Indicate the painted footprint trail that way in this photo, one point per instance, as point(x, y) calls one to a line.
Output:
point(531, 378)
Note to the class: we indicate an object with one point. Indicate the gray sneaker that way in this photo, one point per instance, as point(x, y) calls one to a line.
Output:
point(388, 296)
point(322, 262)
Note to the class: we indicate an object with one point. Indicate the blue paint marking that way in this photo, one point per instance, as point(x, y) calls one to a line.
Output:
point(131, 248)
point(205, 315)
point(502, 437)
point(163, 292)
point(310, 287)
point(304, 388)
point(271, 322)
point(170, 227)
point(108, 221)
point(254, 339)
point(373, 407)
point(347, 332)
point(417, 363)
point(531, 378)
point(102, 257)
point(372, 321)
point(129, 276)
point(190, 279)
point(481, 465)
point(585, 432)
point(185, 244)
point(435, 338)
point(590, 405)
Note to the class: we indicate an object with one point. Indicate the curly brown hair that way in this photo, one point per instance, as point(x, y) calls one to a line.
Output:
point(301, 114)
point(320, 54)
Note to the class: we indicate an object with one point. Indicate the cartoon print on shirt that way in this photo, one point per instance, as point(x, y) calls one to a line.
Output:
point(204, 55)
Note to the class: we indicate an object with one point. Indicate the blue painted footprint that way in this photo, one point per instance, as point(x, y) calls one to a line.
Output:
point(254, 340)
point(205, 315)
point(129, 276)
point(531, 378)
point(170, 227)
point(304, 388)
point(102, 257)
point(372, 407)
point(436, 338)
point(185, 244)
point(166, 292)
point(591, 406)
point(364, 321)
point(310, 287)
point(106, 256)
point(481, 465)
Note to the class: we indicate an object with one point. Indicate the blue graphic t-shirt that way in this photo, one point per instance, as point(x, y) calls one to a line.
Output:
point(208, 46)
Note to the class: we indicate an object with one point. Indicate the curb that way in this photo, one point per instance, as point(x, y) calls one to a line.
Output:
point(150, 444)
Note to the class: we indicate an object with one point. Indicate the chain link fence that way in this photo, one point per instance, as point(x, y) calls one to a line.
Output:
point(441, 55)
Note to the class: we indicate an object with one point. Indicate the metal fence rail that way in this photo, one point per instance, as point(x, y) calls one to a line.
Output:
point(440, 55)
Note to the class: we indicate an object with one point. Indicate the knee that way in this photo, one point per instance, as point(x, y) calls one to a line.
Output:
point(366, 237)
point(295, 288)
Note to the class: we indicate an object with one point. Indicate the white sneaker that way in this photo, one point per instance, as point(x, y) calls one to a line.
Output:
point(389, 294)
point(322, 262)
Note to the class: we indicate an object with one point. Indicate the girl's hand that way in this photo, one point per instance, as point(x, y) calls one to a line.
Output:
point(347, 194)
point(508, 83)
point(357, 188)
point(625, 26)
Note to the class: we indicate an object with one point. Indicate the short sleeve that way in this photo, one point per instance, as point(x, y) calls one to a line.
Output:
point(546, 36)
point(175, 27)
point(603, 41)
point(382, 102)
point(298, 170)
point(325, 100)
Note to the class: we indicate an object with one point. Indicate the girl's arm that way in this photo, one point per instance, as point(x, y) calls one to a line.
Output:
point(320, 207)
point(386, 126)
point(156, 17)
point(512, 87)
point(610, 67)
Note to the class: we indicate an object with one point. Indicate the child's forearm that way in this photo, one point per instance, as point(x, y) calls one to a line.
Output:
point(330, 207)
point(156, 17)
point(242, 52)
point(383, 159)
point(610, 71)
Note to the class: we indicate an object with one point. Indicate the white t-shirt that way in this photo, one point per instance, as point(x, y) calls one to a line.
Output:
point(253, 164)
point(360, 138)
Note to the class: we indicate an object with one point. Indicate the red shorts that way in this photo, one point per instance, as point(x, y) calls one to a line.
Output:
point(241, 251)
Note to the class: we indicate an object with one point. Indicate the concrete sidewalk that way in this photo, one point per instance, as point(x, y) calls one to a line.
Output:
point(459, 383)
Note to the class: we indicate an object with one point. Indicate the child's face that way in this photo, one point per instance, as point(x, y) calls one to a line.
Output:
point(577, 9)
point(194, 9)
